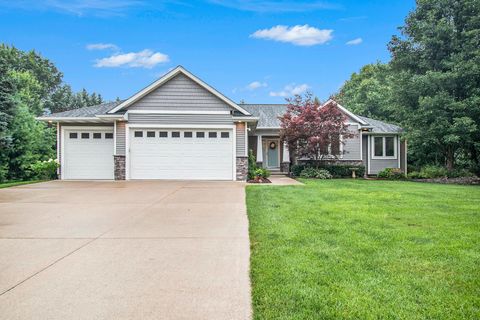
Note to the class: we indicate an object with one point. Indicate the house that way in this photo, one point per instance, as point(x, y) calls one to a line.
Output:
point(179, 127)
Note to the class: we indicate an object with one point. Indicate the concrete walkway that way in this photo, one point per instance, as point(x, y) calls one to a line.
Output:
point(124, 250)
point(279, 180)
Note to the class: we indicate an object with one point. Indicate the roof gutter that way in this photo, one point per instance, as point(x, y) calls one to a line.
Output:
point(246, 119)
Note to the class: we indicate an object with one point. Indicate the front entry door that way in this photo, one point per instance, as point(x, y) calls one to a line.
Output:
point(273, 154)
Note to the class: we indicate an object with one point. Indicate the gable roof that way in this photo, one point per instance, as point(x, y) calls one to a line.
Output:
point(268, 115)
point(378, 126)
point(170, 75)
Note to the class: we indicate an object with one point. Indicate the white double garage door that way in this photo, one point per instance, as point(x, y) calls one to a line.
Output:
point(153, 153)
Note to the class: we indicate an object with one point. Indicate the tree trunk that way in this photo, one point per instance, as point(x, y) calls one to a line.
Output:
point(450, 158)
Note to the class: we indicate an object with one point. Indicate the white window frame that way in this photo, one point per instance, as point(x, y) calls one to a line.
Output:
point(384, 147)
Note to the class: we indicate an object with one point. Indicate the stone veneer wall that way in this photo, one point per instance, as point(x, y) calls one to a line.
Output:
point(285, 167)
point(242, 168)
point(119, 167)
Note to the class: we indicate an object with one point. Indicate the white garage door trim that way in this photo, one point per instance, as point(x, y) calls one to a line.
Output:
point(80, 128)
point(129, 126)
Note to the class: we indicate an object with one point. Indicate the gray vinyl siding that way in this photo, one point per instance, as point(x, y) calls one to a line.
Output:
point(120, 139)
point(352, 147)
point(180, 119)
point(377, 165)
point(180, 93)
point(241, 140)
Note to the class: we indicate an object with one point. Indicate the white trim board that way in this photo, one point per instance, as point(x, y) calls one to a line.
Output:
point(176, 112)
point(169, 76)
point(180, 126)
point(349, 113)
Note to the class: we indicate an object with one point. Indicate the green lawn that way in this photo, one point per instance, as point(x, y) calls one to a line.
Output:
point(17, 183)
point(359, 249)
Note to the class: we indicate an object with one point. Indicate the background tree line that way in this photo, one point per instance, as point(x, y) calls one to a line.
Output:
point(431, 85)
point(31, 86)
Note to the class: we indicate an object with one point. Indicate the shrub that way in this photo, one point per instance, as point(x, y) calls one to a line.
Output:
point(431, 172)
point(252, 165)
point(45, 170)
point(391, 174)
point(414, 175)
point(296, 169)
point(336, 170)
point(262, 173)
point(459, 173)
point(316, 173)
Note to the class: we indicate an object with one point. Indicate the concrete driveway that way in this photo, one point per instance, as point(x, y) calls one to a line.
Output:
point(124, 250)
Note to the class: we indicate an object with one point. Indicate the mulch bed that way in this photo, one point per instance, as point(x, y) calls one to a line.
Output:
point(259, 180)
point(464, 180)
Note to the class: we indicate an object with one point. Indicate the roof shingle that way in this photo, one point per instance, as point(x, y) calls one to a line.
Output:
point(87, 112)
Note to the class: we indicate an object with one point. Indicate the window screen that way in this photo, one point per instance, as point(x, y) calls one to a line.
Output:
point(138, 134)
point(73, 135)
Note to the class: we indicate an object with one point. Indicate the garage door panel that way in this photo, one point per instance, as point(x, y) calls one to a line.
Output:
point(181, 158)
point(88, 158)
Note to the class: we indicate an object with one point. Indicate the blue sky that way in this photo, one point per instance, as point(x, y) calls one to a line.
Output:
point(258, 51)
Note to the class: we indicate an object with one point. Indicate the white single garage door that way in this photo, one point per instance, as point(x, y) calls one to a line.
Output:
point(181, 154)
point(88, 153)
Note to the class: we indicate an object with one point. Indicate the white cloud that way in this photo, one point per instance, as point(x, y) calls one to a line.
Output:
point(298, 35)
point(256, 84)
point(275, 6)
point(354, 42)
point(101, 46)
point(142, 59)
point(290, 90)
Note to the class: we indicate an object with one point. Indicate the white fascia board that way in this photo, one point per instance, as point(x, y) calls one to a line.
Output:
point(180, 126)
point(73, 119)
point(269, 128)
point(111, 116)
point(169, 76)
point(177, 112)
point(352, 115)
point(245, 119)
point(382, 133)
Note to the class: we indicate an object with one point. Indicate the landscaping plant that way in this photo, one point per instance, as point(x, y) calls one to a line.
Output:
point(392, 174)
point(45, 170)
point(315, 173)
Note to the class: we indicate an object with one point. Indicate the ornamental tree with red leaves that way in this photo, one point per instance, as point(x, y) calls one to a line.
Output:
point(313, 131)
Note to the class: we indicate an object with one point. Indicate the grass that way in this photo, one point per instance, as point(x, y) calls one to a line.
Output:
point(17, 183)
point(359, 249)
